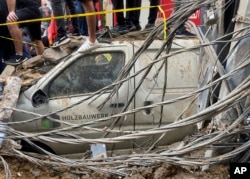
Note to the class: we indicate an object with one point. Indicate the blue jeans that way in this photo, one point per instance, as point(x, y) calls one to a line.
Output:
point(83, 28)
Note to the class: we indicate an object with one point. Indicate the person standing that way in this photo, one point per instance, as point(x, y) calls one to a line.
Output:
point(131, 22)
point(58, 11)
point(83, 28)
point(133, 17)
point(27, 47)
point(153, 11)
point(121, 26)
point(91, 42)
point(21, 10)
point(7, 48)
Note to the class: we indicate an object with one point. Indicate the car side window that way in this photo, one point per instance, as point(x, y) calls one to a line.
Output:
point(87, 73)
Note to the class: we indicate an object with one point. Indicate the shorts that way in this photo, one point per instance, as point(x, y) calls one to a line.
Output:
point(33, 27)
point(6, 45)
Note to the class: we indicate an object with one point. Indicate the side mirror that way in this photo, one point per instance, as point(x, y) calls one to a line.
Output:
point(38, 98)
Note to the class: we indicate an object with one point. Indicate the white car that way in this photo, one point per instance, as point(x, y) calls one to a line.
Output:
point(90, 89)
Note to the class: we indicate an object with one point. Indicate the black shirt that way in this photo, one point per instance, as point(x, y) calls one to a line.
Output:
point(27, 3)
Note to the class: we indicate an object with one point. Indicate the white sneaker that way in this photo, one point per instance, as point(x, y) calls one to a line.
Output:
point(87, 46)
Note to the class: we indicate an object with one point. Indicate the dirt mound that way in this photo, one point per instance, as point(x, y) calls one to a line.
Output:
point(23, 169)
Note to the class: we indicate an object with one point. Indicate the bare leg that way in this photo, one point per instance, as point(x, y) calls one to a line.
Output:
point(91, 20)
point(16, 34)
point(91, 42)
point(39, 47)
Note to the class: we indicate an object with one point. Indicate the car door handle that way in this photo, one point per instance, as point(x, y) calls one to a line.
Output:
point(147, 103)
point(116, 105)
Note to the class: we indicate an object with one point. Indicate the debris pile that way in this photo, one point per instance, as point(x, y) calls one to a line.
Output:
point(223, 112)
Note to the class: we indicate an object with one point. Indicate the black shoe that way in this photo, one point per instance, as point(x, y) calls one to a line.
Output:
point(16, 60)
point(149, 26)
point(121, 29)
point(138, 27)
point(184, 33)
point(60, 41)
point(131, 26)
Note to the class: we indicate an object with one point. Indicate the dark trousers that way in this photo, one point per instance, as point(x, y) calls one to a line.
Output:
point(153, 11)
point(58, 10)
point(7, 48)
point(118, 4)
point(133, 16)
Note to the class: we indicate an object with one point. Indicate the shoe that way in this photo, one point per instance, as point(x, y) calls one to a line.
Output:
point(184, 33)
point(16, 60)
point(60, 41)
point(149, 26)
point(131, 27)
point(87, 46)
point(138, 27)
point(121, 29)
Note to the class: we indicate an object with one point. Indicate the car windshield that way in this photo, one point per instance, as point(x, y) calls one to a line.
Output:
point(87, 73)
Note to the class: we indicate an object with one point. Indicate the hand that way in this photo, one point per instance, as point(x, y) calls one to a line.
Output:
point(12, 17)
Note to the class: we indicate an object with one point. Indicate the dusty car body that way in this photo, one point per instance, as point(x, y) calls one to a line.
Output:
point(77, 93)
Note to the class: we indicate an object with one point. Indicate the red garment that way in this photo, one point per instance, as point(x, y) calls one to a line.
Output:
point(52, 30)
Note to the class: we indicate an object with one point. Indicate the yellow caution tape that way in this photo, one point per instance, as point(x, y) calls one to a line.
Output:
point(90, 14)
point(79, 15)
point(164, 23)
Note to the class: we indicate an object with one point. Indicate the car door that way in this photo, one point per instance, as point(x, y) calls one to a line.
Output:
point(76, 94)
point(180, 74)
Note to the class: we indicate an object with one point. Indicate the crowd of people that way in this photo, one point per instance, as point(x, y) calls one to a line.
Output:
point(13, 12)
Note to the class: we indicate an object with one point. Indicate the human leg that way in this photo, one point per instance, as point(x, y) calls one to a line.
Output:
point(39, 46)
point(118, 4)
point(136, 19)
point(152, 14)
point(120, 27)
point(18, 57)
point(16, 35)
point(91, 20)
point(57, 8)
point(7, 48)
point(130, 15)
point(91, 42)
point(83, 28)
point(74, 21)
point(133, 17)
point(34, 29)
point(36, 37)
